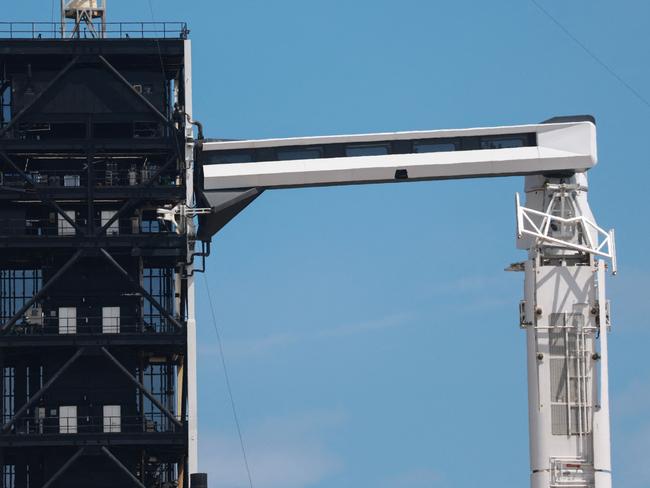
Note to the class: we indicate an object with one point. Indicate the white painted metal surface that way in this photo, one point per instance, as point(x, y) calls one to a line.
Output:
point(564, 310)
point(192, 395)
point(112, 418)
point(560, 147)
point(110, 320)
point(68, 419)
point(566, 317)
point(67, 320)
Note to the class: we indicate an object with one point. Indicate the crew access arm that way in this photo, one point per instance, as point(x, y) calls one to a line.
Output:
point(564, 311)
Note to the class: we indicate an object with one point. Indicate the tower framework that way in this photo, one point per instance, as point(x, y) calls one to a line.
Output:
point(101, 213)
point(95, 296)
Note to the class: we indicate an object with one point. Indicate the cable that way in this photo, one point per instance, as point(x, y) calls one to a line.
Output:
point(591, 54)
point(164, 74)
point(214, 318)
point(227, 377)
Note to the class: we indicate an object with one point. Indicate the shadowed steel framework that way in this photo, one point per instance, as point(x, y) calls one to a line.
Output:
point(101, 213)
point(95, 304)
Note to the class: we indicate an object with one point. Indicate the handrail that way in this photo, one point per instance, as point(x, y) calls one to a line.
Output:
point(114, 30)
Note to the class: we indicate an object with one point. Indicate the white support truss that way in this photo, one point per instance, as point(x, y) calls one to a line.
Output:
point(539, 224)
point(565, 311)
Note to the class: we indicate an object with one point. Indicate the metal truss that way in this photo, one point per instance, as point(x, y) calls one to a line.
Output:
point(141, 289)
point(80, 452)
point(7, 327)
point(540, 225)
point(142, 388)
point(43, 390)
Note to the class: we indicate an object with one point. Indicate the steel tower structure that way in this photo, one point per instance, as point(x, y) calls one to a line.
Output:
point(105, 196)
point(95, 302)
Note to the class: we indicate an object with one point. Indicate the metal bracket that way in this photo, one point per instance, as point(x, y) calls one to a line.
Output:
point(180, 213)
point(604, 245)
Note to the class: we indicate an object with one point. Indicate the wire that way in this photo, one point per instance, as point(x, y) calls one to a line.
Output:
point(181, 157)
point(227, 377)
point(591, 54)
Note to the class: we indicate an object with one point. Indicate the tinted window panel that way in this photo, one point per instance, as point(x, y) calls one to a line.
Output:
point(426, 147)
point(502, 143)
point(234, 157)
point(367, 150)
point(300, 153)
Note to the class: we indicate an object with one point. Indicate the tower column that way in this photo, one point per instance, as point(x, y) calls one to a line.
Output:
point(565, 314)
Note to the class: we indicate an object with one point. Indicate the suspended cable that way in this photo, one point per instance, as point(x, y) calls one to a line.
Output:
point(164, 75)
point(228, 387)
point(591, 54)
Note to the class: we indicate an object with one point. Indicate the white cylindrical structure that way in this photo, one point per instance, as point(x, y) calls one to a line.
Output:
point(565, 315)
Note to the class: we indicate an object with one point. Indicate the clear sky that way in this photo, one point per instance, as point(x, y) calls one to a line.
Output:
point(370, 332)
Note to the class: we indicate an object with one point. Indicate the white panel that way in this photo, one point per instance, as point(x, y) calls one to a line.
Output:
point(68, 419)
point(553, 134)
point(71, 180)
point(561, 147)
point(111, 320)
point(114, 228)
point(112, 418)
point(65, 228)
point(67, 320)
point(192, 396)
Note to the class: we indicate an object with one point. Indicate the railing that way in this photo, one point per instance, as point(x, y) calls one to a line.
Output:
point(83, 424)
point(53, 179)
point(114, 30)
point(62, 228)
point(51, 325)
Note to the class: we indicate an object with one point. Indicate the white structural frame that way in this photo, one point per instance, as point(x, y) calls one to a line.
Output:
point(192, 381)
point(564, 312)
point(569, 146)
point(604, 245)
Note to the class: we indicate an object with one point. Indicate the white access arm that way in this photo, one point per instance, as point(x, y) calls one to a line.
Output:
point(388, 157)
point(564, 311)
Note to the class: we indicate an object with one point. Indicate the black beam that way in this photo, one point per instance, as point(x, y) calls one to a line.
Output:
point(132, 202)
point(64, 468)
point(44, 389)
point(43, 198)
point(124, 469)
point(9, 325)
point(139, 287)
point(141, 387)
point(26, 109)
point(142, 98)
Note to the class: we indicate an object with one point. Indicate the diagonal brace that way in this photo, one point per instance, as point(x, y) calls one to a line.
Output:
point(9, 325)
point(142, 98)
point(40, 195)
point(133, 202)
point(26, 109)
point(43, 390)
point(139, 287)
point(64, 468)
point(141, 387)
point(123, 468)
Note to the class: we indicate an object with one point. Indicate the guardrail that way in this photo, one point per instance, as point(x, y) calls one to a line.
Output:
point(52, 326)
point(62, 228)
point(73, 178)
point(114, 30)
point(84, 424)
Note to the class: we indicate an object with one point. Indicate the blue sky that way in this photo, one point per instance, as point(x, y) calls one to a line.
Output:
point(370, 332)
